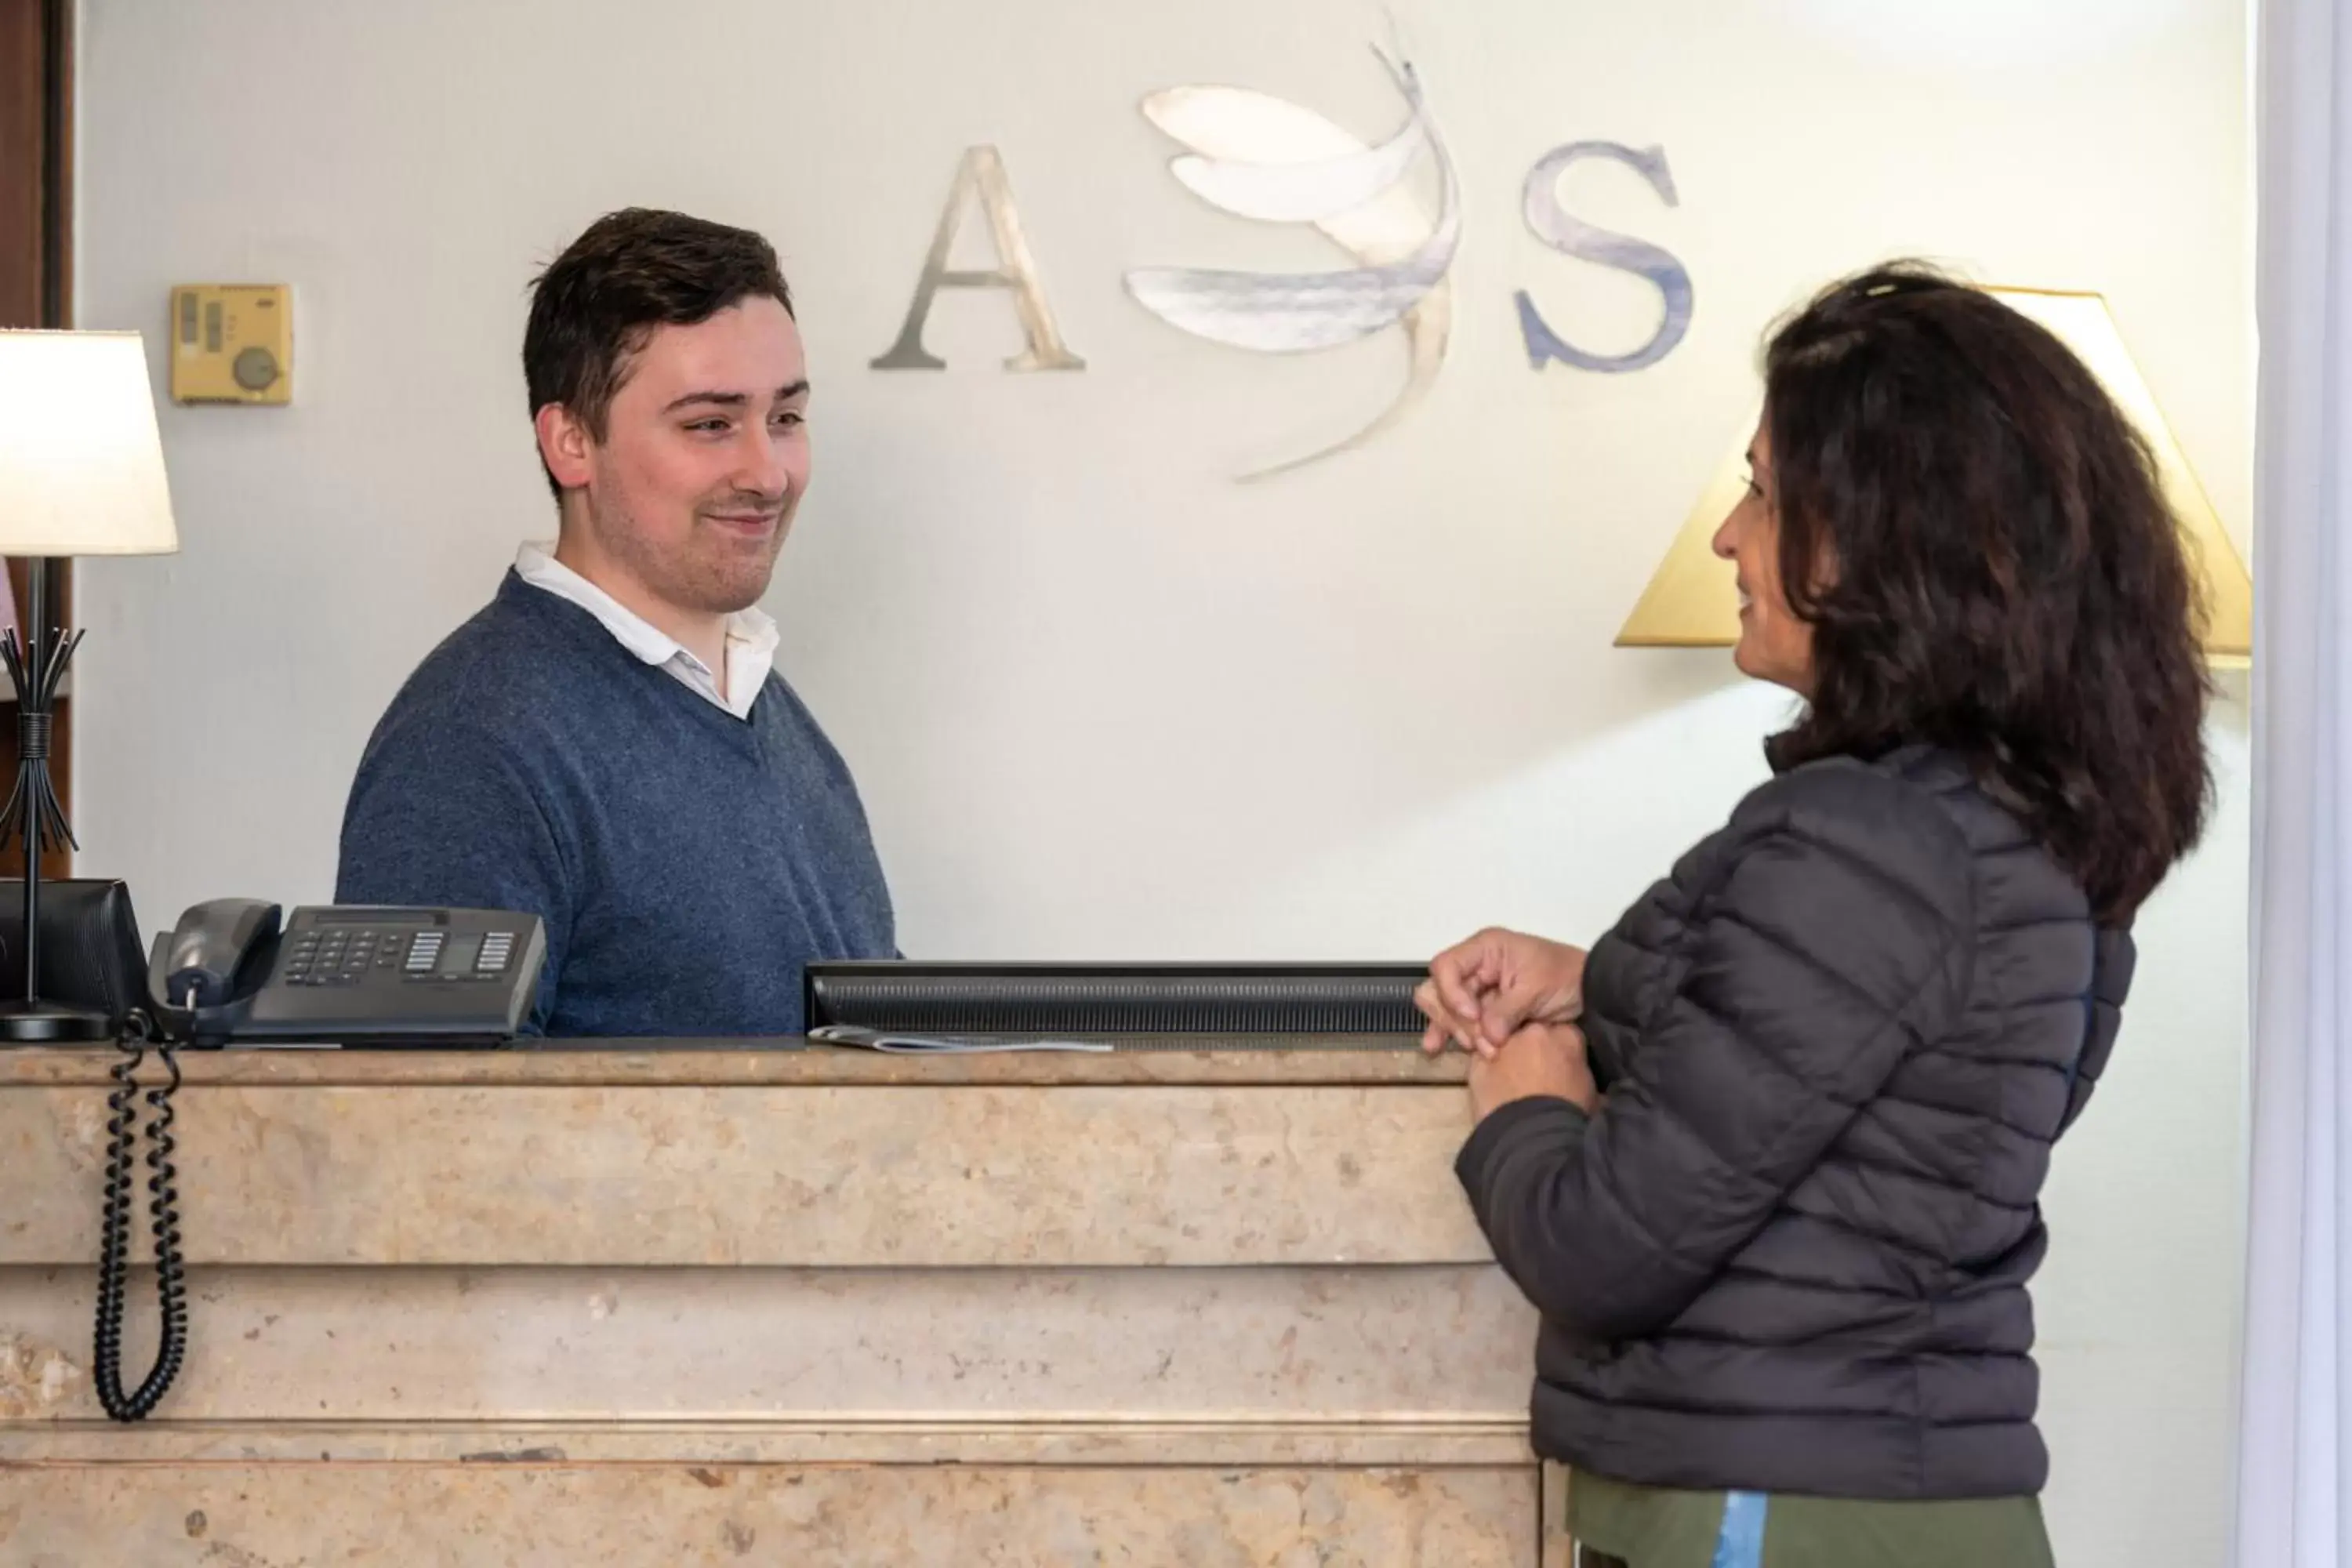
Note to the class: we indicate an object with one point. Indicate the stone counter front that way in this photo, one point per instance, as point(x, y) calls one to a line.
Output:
point(701, 1303)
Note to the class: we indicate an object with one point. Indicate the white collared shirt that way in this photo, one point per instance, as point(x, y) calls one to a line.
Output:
point(751, 634)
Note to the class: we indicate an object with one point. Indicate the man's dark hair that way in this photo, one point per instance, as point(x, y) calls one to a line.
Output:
point(1978, 538)
point(630, 272)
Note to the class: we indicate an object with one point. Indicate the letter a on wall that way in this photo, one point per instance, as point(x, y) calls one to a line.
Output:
point(981, 174)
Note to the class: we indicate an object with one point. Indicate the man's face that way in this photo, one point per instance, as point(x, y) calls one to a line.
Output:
point(704, 456)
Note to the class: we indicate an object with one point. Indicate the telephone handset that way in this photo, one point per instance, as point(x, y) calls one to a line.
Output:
point(347, 974)
point(212, 953)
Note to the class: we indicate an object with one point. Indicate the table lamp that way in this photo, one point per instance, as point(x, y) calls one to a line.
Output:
point(81, 473)
point(1692, 601)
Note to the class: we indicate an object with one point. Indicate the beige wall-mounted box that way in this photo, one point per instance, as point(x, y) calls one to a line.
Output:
point(231, 342)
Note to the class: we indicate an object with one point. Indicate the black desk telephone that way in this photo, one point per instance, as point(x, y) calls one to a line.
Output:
point(348, 976)
point(229, 974)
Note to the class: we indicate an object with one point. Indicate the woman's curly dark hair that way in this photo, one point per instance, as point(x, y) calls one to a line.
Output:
point(1977, 535)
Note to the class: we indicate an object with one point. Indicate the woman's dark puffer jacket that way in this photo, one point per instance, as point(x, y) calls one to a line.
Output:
point(1791, 1252)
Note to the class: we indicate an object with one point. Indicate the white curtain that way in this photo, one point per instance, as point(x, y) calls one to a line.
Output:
point(2296, 1436)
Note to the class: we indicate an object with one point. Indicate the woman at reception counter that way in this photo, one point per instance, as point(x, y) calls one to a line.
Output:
point(1767, 1157)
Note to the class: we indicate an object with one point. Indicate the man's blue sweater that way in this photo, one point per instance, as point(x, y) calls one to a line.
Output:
point(688, 863)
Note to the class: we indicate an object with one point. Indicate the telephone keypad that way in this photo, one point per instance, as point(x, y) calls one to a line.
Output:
point(301, 953)
point(349, 958)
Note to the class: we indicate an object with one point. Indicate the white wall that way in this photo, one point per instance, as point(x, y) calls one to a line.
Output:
point(1103, 700)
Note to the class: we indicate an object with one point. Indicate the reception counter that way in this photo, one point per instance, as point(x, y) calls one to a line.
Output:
point(695, 1303)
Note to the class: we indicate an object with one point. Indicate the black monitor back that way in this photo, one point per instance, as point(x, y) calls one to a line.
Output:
point(91, 956)
point(1115, 998)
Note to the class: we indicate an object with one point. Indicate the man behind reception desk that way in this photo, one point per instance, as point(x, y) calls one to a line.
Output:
point(607, 745)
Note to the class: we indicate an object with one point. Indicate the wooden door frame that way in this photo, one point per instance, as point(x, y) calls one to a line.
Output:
point(36, 225)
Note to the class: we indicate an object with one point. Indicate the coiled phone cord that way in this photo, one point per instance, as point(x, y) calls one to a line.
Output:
point(114, 1244)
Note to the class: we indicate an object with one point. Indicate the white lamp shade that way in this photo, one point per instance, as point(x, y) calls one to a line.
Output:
point(81, 466)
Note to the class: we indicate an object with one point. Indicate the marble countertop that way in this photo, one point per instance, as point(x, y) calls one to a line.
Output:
point(779, 1062)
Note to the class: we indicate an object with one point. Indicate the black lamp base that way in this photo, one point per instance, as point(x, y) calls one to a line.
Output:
point(38, 1023)
point(36, 661)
